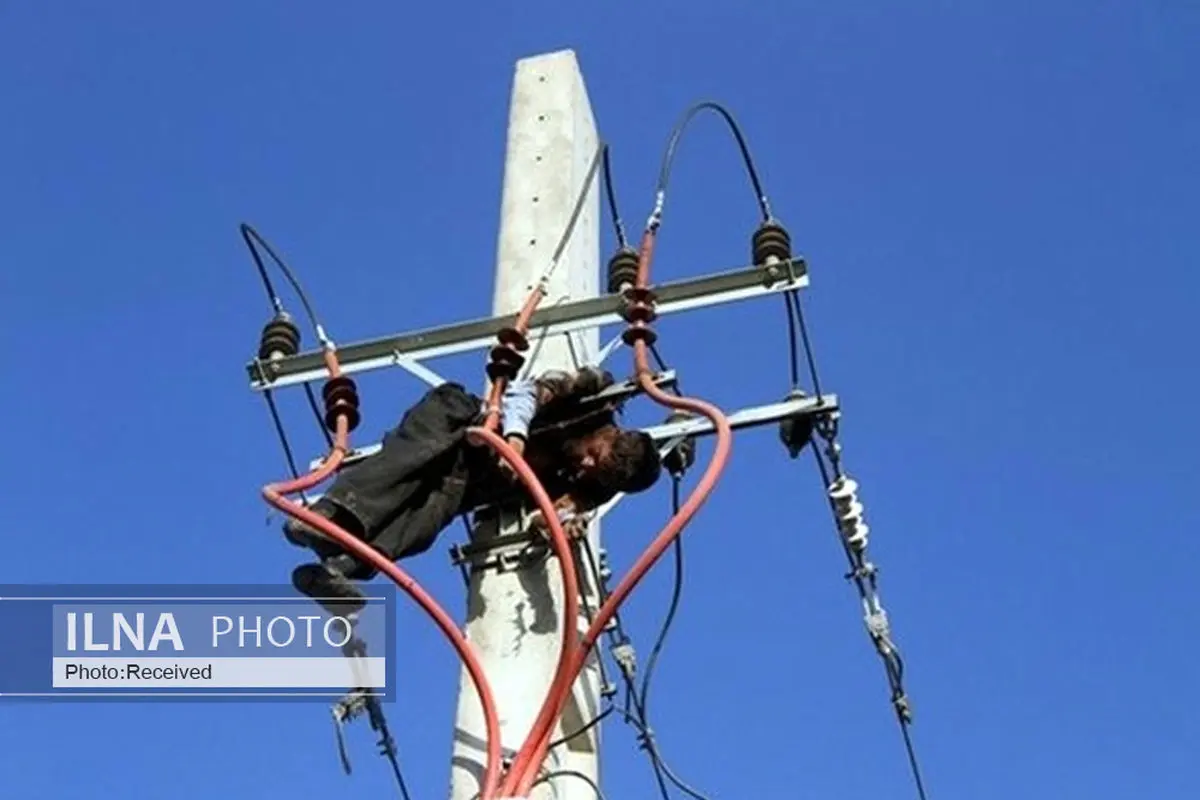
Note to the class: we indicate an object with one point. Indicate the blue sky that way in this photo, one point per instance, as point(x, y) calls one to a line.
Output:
point(998, 204)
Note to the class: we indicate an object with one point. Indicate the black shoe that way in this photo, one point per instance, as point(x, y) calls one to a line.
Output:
point(350, 566)
point(332, 590)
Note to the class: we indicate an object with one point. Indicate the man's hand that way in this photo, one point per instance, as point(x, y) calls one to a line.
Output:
point(575, 528)
point(576, 524)
point(516, 443)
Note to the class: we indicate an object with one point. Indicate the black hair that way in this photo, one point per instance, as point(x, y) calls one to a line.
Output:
point(633, 464)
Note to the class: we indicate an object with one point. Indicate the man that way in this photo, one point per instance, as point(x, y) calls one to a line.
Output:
point(399, 499)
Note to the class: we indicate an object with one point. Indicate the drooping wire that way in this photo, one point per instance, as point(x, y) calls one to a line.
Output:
point(283, 440)
point(587, 726)
point(619, 643)
point(570, 773)
point(863, 575)
point(664, 174)
point(651, 746)
point(590, 614)
point(251, 236)
point(610, 192)
point(642, 721)
point(635, 704)
point(673, 606)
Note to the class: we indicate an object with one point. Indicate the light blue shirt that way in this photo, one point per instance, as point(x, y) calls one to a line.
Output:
point(518, 404)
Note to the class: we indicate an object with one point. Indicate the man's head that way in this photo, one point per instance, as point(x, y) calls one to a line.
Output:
point(610, 460)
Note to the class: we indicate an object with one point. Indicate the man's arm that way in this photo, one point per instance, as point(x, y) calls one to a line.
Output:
point(573, 512)
point(518, 405)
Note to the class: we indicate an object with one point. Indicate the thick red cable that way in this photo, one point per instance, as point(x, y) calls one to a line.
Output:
point(274, 494)
point(523, 772)
point(562, 549)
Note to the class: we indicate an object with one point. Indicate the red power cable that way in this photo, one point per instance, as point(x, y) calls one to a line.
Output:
point(527, 763)
point(274, 494)
point(573, 653)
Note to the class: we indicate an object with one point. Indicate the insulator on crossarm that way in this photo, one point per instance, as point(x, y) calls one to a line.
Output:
point(622, 270)
point(681, 457)
point(341, 398)
point(280, 338)
point(796, 430)
point(770, 243)
point(844, 493)
point(638, 309)
point(506, 359)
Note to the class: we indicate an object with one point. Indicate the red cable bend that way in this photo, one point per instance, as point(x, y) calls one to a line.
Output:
point(521, 776)
point(562, 549)
point(274, 494)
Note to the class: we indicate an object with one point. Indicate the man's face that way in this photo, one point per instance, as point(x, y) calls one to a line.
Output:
point(588, 455)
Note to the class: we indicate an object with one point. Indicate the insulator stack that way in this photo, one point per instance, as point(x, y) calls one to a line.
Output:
point(638, 310)
point(770, 243)
point(844, 493)
point(622, 270)
point(506, 359)
point(796, 430)
point(280, 338)
point(341, 398)
point(680, 459)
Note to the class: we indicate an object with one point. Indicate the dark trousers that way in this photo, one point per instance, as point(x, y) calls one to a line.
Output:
point(399, 499)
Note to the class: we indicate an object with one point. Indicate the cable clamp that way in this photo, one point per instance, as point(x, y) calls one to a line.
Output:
point(903, 707)
point(864, 571)
point(626, 658)
point(877, 626)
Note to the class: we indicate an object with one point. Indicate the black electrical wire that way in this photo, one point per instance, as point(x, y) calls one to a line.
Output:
point(646, 735)
point(312, 403)
point(893, 663)
point(250, 235)
point(590, 615)
point(664, 174)
point(672, 608)
point(570, 773)
point(401, 786)
point(641, 720)
point(616, 637)
point(618, 227)
point(662, 365)
point(283, 440)
point(793, 349)
point(793, 297)
point(593, 722)
point(631, 693)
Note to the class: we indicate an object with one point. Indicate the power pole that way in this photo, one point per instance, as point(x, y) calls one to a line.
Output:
point(514, 606)
point(515, 590)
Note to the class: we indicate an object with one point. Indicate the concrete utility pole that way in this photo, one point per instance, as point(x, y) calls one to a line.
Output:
point(515, 602)
point(514, 611)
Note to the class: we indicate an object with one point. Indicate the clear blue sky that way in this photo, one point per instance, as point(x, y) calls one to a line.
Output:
point(1000, 211)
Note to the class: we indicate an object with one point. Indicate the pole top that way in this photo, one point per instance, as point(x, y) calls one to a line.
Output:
point(566, 54)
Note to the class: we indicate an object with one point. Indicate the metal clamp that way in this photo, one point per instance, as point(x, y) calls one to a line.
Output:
point(508, 552)
point(791, 270)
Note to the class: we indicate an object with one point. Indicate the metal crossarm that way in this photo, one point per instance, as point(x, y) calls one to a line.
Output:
point(685, 295)
point(698, 426)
